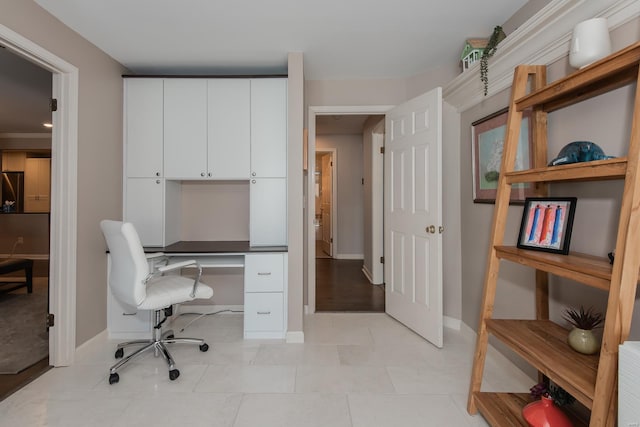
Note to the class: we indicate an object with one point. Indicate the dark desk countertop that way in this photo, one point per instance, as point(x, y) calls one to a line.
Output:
point(211, 247)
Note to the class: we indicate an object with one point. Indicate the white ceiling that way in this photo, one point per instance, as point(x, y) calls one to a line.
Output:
point(340, 39)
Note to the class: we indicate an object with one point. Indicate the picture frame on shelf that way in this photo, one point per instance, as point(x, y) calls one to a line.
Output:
point(487, 140)
point(547, 223)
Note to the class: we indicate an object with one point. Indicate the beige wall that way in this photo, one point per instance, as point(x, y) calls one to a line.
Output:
point(605, 120)
point(99, 149)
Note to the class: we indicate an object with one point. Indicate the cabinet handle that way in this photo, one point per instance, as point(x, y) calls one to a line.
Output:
point(253, 181)
point(201, 173)
point(264, 312)
point(253, 174)
point(209, 174)
point(157, 173)
point(129, 314)
point(157, 181)
point(265, 274)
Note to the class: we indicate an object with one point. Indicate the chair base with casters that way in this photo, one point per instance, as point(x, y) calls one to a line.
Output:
point(158, 344)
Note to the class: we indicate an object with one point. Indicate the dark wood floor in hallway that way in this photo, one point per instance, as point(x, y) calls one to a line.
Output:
point(342, 286)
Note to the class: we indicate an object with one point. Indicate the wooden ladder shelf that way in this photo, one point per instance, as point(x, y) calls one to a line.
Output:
point(592, 380)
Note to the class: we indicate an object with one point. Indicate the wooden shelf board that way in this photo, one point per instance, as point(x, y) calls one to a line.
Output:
point(502, 409)
point(588, 171)
point(614, 71)
point(543, 344)
point(587, 269)
point(505, 409)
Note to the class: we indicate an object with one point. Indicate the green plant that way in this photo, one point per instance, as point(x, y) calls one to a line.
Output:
point(583, 319)
point(559, 395)
point(496, 37)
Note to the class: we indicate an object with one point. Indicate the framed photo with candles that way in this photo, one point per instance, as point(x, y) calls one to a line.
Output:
point(546, 224)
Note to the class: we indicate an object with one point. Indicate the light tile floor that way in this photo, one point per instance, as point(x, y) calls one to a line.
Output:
point(353, 370)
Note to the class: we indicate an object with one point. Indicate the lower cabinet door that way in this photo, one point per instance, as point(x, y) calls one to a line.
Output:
point(264, 315)
point(127, 322)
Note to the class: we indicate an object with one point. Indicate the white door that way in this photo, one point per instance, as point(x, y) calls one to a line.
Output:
point(325, 203)
point(413, 215)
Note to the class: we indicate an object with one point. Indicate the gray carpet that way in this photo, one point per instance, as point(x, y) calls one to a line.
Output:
point(23, 335)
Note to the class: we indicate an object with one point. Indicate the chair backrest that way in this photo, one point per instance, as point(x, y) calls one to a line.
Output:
point(129, 265)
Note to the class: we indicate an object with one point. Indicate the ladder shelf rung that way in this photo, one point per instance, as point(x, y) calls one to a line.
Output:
point(598, 170)
point(587, 269)
point(543, 344)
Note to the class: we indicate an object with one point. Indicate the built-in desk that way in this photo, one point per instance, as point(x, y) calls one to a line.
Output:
point(265, 287)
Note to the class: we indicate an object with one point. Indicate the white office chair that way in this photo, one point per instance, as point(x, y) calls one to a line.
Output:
point(133, 284)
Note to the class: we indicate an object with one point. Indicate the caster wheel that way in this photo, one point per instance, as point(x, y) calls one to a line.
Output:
point(173, 374)
point(114, 378)
point(119, 353)
point(204, 347)
point(170, 337)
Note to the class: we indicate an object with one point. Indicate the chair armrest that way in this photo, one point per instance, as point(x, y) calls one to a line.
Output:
point(176, 265)
point(155, 255)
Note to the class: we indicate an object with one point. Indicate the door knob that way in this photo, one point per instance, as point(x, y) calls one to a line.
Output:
point(441, 229)
point(431, 229)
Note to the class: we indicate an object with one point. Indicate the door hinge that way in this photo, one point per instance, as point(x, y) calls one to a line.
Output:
point(381, 260)
point(381, 150)
point(53, 104)
point(331, 240)
point(50, 320)
point(362, 181)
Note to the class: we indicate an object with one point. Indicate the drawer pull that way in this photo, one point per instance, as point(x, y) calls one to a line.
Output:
point(129, 314)
point(264, 312)
point(265, 274)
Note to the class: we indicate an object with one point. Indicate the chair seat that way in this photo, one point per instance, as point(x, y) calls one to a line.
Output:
point(167, 290)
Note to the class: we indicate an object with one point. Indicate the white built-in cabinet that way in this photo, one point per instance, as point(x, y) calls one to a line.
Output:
point(205, 129)
point(37, 184)
point(143, 111)
point(229, 128)
point(265, 295)
point(267, 214)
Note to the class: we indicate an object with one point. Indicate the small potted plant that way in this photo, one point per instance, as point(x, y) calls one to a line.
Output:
point(581, 337)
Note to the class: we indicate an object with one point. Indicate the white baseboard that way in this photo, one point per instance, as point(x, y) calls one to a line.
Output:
point(452, 323)
point(295, 337)
point(87, 347)
point(349, 256)
point(367, 273)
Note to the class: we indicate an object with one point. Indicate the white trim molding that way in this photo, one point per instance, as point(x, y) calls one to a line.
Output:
point(9, 135)
point(64, 179)
point(543, 39)
point(295, 337)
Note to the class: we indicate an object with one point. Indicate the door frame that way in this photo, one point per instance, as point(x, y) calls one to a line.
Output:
point(334, 197)
point(310, 261)
point(63, 216)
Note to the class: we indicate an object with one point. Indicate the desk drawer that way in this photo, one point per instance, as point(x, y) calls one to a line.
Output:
point(264, 273)
point(264, 312)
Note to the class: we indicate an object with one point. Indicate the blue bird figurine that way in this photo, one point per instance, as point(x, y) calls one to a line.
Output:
point(579, 151)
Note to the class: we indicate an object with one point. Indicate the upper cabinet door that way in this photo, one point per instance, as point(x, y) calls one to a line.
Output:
point(269, 128)
point(185, 128)
point(229, 130)
point(143, 127)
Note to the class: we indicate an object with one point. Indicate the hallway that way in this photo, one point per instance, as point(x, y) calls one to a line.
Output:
point(342, 286)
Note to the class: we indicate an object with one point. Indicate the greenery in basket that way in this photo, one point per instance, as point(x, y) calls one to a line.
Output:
point(496, 37)
point(559, 395)
point(583, 319)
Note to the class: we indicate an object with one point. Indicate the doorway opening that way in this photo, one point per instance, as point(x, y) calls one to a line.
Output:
point(340, 211)
point(63, 198)
point(25, 172)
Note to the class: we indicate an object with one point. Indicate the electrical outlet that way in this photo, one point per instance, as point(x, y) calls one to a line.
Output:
point(20, 240)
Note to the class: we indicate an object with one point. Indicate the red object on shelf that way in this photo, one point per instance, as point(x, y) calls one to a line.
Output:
point(544, 413)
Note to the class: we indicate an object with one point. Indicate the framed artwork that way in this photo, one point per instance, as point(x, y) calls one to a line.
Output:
point(546, 224)
point(487, 141)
